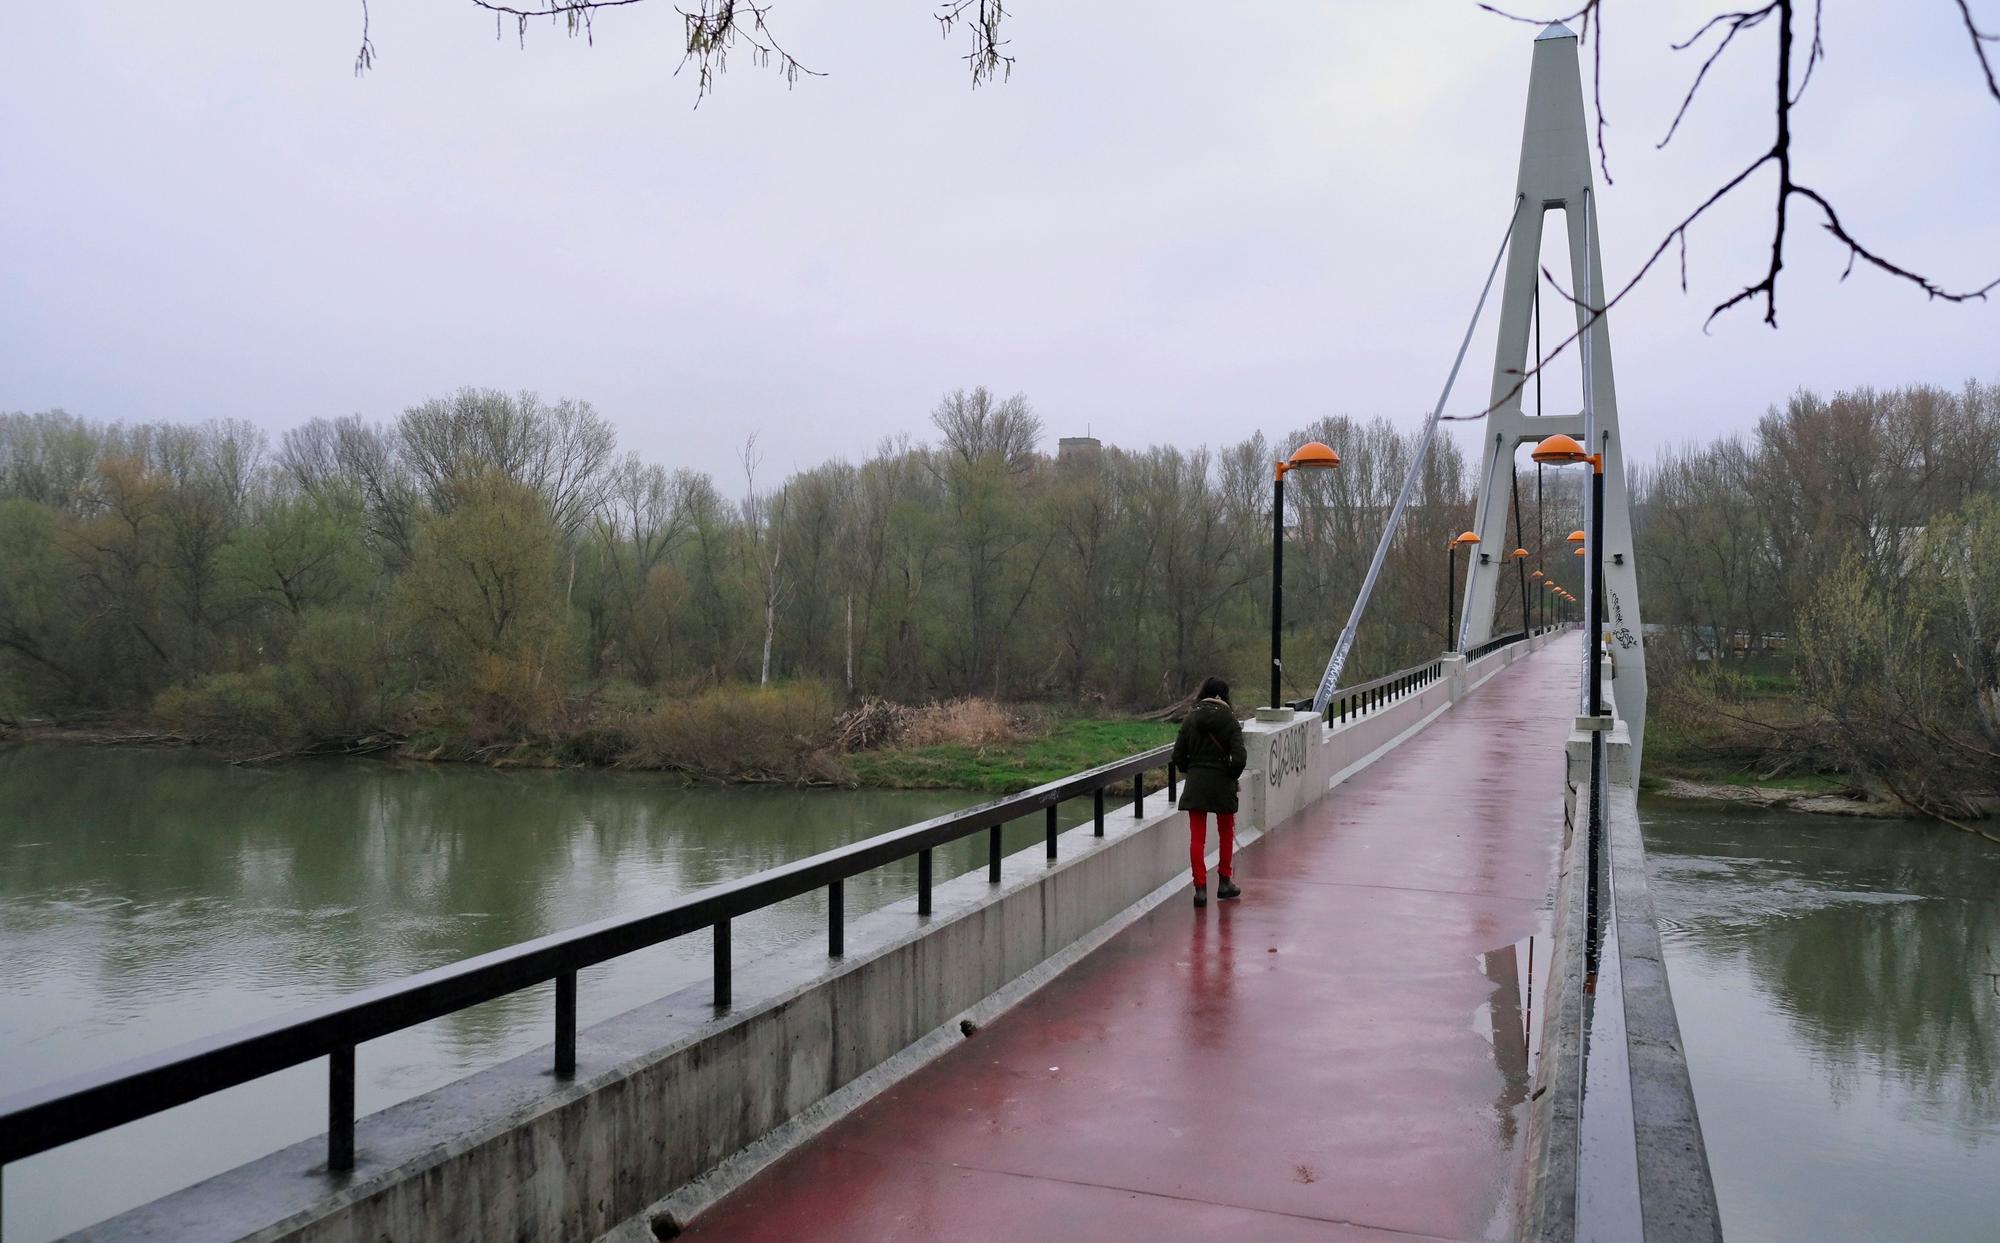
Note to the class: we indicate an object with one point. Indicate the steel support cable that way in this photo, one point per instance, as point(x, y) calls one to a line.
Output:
point(1338, 661)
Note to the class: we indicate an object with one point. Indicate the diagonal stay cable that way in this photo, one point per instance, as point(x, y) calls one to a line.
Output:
point(1338, 661)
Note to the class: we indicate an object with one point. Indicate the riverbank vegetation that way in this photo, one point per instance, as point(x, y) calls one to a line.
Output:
point(487, 578)
point(1827, 592)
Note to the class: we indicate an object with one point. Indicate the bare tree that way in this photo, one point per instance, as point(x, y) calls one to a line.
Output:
point(764, 520)
point(561, 452)
point(329, 456)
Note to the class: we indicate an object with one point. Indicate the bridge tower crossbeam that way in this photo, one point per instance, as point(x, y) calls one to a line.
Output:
point(1555, 174)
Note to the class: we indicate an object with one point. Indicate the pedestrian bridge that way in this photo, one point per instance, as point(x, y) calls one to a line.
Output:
point(1438, 1012)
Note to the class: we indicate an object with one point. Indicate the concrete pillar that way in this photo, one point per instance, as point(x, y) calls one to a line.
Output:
point(1454, 675)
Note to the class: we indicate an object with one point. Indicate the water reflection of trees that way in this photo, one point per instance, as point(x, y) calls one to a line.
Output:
point(1874, 941)
point(175, 872)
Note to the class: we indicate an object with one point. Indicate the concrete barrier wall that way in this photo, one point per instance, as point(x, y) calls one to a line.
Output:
point(665, 1093)
point(1675, 1190)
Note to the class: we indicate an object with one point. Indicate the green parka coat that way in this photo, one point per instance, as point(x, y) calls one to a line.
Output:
point(1209, 753)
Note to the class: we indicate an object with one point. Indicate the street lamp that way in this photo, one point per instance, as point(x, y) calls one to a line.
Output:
point(1451, 584)
point(1520, 556)
point(1309, 456)
point(1561, 450)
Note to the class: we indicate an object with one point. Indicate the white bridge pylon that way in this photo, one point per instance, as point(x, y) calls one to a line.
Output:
point(1555, 174)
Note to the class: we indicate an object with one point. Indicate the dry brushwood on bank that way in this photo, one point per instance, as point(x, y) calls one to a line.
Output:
point(871, 724)
point(877, 724)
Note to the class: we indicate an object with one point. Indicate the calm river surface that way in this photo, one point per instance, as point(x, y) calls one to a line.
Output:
point(1837, 990)
point(1832, 976)
point(152, 897)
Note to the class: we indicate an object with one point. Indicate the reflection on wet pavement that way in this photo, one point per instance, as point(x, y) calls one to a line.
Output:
point(1337, 1056)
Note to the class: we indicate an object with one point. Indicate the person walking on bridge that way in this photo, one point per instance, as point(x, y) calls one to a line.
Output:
point(1209, 753)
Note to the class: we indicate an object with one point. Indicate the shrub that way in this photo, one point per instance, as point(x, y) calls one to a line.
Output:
point(771, 733)
point(510, 695)
point(968, 722)
point(240, 708)
point(333, 675)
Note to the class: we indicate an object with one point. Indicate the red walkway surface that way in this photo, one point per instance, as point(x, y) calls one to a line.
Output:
point(1316, 1061)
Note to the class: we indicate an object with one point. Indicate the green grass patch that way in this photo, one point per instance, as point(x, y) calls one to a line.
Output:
point(1069, 746)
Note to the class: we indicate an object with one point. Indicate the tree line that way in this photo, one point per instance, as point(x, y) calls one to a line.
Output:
point(490, 556)
point(492, 564)
point(1853, 542)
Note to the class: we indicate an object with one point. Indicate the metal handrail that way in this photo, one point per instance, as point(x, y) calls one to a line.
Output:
point(44, 1117)
point(1495, 643)
point(1364, 697)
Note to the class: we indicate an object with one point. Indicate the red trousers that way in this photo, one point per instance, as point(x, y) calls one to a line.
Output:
point(1225, 828)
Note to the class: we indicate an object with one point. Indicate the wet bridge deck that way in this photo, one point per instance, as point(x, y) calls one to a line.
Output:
point(1317, 1061)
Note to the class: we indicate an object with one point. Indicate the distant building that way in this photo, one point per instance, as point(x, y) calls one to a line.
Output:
point(1083, 450)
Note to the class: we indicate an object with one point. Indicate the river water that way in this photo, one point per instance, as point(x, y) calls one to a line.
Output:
point(1831, 975)
point(1838, 986)
point(152, 897)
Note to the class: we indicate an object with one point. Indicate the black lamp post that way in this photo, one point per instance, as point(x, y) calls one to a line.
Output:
point(1520, 556)
point(1451, 585)
point(1309, 456)
point(1560, 450)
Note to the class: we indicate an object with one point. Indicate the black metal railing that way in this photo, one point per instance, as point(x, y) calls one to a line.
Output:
point(1351, 702)
point(1495, 643)
point(1365, 697)
point(43, 1118)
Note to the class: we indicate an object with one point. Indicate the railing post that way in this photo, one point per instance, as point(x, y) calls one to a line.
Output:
point(1173, 791)
point(565, 1024)
point(924, 881)
point(1049, 828)
point(1097, 799)
point(722, 964)
point(993, 855)
point(340, 1110)
point(836, 919)
point(1139, 795)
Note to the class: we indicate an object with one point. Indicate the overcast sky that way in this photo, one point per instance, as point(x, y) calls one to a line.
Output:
point(1178, 222)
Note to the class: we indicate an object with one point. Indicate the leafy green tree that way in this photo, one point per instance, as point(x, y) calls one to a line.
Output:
point(38, 665)
point(300, 552)
point(1905, 675)
point(481, 610)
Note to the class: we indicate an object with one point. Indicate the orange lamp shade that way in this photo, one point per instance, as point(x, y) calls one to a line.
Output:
point(1467, 537)
point(1536, 574)
point(1576, 537)
point(1313, 455)
point(1579, 552)
point(1520, 554)
point(1559, 450)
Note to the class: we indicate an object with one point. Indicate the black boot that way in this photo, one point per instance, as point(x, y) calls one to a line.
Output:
point(1201, 895)
point(1228, 889)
